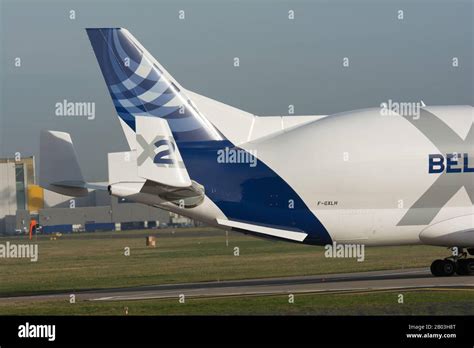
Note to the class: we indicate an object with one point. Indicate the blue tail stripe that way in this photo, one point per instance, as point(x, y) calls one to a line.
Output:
point(251, 194)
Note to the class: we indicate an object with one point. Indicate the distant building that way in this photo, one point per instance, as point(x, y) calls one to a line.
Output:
point(17, 184)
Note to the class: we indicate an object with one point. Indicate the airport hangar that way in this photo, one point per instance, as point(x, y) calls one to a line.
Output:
point(22, 200)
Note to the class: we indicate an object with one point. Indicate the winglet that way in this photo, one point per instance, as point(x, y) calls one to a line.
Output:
point(158, 157)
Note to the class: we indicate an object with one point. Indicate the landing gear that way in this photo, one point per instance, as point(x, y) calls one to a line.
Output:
point(458, 263)
point(465, 267)
point(443, 268)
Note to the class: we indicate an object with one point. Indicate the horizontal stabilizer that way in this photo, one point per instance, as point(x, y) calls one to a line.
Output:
point(158, 157)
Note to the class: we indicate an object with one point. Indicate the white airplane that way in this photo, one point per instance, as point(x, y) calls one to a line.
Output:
point(359, 177)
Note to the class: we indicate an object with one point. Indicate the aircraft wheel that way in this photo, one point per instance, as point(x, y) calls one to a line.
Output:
point(443, 268)
point(465, 267)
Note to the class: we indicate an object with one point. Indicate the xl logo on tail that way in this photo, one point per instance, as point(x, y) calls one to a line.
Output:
point(158, 157)
point(166, 155)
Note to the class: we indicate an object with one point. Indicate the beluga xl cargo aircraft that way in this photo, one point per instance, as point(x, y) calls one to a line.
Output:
point(359, 177)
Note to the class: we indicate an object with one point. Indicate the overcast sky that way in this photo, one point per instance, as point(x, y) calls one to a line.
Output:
point(282, 61)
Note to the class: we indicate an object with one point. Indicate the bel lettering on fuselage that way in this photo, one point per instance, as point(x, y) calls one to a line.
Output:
point(451, 163)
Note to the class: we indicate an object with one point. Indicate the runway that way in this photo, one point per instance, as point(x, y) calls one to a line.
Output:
point(402, 279)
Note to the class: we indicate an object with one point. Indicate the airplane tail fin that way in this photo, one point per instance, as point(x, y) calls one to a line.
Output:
point(140, 86)
point(59, 169)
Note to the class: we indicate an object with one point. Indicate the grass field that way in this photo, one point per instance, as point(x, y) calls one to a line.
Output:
point(91, 261)
point(85, 261)
point(434, 302)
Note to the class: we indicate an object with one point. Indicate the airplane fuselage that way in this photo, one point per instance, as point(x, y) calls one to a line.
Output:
point(353, 177)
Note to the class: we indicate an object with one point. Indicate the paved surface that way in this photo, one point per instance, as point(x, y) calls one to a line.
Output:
point(414, 278)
